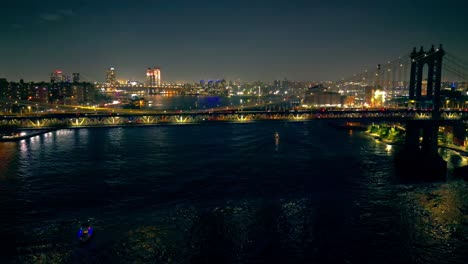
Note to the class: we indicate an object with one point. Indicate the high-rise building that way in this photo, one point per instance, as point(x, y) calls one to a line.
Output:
point(110, 77)
point(3, 87)
point(56, 76)
point(285, 85)
point(76, 77)
point(369, 95)
point(153, 77)
point(67, 78)
point(40, 93)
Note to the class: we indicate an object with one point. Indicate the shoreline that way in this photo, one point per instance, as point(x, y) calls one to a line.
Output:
point(18, 138)
point(454, 148)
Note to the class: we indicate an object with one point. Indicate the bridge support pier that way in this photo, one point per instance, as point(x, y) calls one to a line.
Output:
point(419, 159)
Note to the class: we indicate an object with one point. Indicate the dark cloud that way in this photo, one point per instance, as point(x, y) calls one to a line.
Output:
point(57, 15)
point(50, 17)
point(66, 12)
point(17, 26)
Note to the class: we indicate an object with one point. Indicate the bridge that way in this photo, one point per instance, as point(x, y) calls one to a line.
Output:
point(76, 120)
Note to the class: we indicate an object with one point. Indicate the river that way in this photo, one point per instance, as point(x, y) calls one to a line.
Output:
point(223, 193)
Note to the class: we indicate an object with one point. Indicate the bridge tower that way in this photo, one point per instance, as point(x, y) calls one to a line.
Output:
point(419, 158)
point(433, 58)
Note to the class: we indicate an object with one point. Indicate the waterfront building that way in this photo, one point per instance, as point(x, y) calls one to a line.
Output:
point(349, 100)
point(110, 77)
point(369, 95)
point(321, 98)
point(379, 98)
point(122, 82)
point(153, 77)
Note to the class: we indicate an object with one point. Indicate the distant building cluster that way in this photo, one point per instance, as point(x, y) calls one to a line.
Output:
point(153, 79)
point(58, 76)
point(59, 91)
point(153, 85)
point(321, 96)
point(384, 87)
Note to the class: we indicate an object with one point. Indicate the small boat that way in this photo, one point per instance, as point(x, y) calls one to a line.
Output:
point(85, 233)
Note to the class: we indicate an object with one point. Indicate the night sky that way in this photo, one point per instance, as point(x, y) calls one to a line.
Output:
point(247, 40)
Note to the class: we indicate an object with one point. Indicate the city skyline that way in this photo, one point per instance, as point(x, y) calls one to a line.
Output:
point(260, 40)
point(247, 131)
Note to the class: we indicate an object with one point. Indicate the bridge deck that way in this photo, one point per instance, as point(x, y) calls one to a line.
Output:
point(181, 117)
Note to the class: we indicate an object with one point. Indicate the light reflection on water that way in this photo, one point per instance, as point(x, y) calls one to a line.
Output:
point(453, 158)
point(226, 193)
point(7, 157)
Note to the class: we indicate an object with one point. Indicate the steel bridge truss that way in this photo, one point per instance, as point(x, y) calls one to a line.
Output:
point(69, 121)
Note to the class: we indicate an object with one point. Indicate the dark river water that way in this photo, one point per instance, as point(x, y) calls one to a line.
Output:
point(188, 102)
point(223, 193)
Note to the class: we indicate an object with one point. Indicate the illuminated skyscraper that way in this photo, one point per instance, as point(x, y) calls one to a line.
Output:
point(110, 77)
point(153, 77)
point(57, 76)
